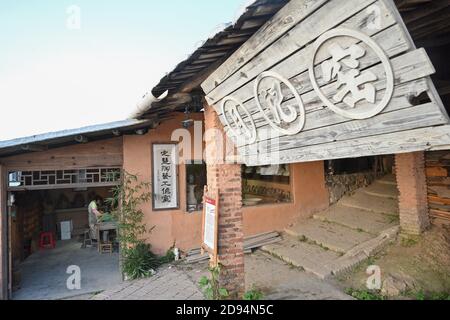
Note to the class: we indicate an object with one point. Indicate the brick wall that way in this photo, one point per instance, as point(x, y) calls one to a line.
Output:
point(411, 182)
point(227, 177)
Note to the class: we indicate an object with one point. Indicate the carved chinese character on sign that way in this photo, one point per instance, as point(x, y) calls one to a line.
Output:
point(233, 112)
point(355, 89)
point(283, 110)
point(355, 85)
point(274, 98)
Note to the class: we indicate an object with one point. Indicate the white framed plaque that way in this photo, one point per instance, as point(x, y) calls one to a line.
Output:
point(165, 176)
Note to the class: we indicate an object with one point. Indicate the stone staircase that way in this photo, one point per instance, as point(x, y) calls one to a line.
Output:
point(345, 234)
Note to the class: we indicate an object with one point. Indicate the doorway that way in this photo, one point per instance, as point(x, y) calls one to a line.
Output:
point(72, 267)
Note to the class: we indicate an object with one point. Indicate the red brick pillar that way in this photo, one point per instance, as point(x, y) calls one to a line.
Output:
point(226, 177)
point(413, 199)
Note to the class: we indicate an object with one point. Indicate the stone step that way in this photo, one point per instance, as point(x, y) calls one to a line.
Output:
point(329, 235)
point(363, 251)
point(357, 219)
point(389, 179)
point(382, 190)
point(365, 201)
point(309, 257)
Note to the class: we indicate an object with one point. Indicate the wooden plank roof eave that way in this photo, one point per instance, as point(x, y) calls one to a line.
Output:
point(228, 40)
point(195, 67)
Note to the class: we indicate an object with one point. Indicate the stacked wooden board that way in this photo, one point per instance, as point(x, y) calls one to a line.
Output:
point(290, 51)
point(438, 181)
point(250, 244)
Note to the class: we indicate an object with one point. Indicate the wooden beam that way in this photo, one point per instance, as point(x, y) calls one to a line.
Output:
point(105, 153)
point(443, 87)
point(296, 10)
point(65, 186)
point(330, 15)
point(434, 6)
point(81, 139)
point(391, 45)
point(34, 148)
point(431, 19)
point(399, 142)
point(3, 236)
point(196, 82)
point(406, 4)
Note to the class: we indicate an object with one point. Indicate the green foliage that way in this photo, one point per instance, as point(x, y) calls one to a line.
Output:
point(422, 296)
point(106, 218)
point(253, 295)
point(126, 203)
point(364, 294)
point(393, 219)
point(211, 287)
point(303, 239)
point(416, 295)
point(408, 242)
point(168, 258)
point(371, 261)
point(140, 262)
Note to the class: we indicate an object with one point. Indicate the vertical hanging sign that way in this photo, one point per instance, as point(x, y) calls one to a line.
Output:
point(165, 177)
point(210, 227)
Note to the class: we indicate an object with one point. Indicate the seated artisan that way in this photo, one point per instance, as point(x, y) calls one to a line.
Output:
point(94, 215)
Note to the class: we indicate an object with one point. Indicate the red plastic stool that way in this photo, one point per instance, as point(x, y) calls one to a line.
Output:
point(47, 241)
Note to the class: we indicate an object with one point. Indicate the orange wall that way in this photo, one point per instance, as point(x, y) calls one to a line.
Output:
point(173, 226)
point(184, 229)
point(310, 196)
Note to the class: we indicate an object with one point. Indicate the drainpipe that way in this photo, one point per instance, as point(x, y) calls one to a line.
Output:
point(146, 104)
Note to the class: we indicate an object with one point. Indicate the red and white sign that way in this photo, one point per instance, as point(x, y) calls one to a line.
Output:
point(210, 228)
point(209, 231)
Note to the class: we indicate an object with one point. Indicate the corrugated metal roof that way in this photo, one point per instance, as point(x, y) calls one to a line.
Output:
point(68, 137)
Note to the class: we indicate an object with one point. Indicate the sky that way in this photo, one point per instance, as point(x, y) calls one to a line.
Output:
point(67, 64)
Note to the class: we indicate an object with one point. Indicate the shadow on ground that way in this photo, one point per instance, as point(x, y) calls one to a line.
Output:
point(44, 273)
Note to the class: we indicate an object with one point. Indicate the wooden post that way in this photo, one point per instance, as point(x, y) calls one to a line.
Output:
point(3, 236)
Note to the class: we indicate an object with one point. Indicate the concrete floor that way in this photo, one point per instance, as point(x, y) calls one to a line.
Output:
point(169, 283)
point(44, 273)
point(277, 280)
point(280, 281)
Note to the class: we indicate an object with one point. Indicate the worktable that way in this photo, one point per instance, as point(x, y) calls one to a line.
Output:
point(105, 226)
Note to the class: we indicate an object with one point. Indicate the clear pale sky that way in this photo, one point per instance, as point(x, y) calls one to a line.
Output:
point(54, 78)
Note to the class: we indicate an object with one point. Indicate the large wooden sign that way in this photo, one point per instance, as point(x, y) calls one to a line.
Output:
point(326, 80)
point(210, 228)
